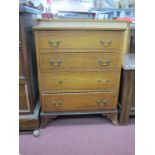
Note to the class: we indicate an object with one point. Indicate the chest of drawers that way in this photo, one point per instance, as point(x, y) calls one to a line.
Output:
point(79, 65)
point(28, 89)
point(126, 104)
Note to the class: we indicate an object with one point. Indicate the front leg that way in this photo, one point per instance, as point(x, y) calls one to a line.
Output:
point(46, 119)
point(113, 117)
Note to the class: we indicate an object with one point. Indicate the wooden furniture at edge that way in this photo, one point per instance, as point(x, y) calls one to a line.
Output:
point(132, 39)
point(79, 66)
point(127, 89)
point(28, 86)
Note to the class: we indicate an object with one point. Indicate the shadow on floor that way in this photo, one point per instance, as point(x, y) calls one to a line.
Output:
point(80, 120)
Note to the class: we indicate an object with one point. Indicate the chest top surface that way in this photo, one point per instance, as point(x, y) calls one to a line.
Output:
point(51, 24)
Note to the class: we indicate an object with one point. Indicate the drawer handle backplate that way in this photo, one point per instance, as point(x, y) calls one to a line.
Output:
point(55, 64)
point(54, 43)
point(102, 63)
point(60, 81)
point(102, 81)
point(57, 103)
point(101, 102)
point(106, 44)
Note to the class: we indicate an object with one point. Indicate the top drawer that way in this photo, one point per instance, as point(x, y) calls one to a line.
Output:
point(60, 40)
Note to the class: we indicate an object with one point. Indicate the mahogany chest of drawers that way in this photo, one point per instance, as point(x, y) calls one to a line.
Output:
point(28, 86)
point(79, 65)
point(126, 104)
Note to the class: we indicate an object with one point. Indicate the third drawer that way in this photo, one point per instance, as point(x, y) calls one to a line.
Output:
point(80, 81)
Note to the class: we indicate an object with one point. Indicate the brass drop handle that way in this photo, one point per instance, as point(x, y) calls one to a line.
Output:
point(106, 43)
point(101, 102)
point(102, 81)
point(60, 81)
point(57, 103)
point(102, 63)
point(55, 64)
point(54, 43)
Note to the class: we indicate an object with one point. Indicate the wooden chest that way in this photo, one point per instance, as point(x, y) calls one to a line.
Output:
point(28, 87)
point(79, 65)
point(127, 89)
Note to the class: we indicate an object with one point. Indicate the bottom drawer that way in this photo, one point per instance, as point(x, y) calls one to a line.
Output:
point(79, 101)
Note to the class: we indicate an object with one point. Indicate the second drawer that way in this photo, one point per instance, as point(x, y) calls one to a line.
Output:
point(80, 81)
point(81, 61)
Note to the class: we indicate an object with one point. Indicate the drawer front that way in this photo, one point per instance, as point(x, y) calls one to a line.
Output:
point(78, 81)
point(57, 40)
point(79, 101)
point(82, 61)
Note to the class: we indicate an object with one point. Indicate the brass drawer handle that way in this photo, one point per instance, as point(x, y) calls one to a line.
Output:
point(57, 103)
point(54, 43)
point(101, 102)
point(55, 64)
point(106, 44)
point(60, 81)
point(106, 63)
point(102, 81)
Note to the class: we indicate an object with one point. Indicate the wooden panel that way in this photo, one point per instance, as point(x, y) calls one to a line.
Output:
point(132, 78)
point(23, 103)
point(127, 95)
point(28, 124)
point(23, 98)
point(82, 61)
point(22, 90)
point(21, 67)
point(22, 80)
point(75, 81)
point(79, 101)
point(58, 40)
